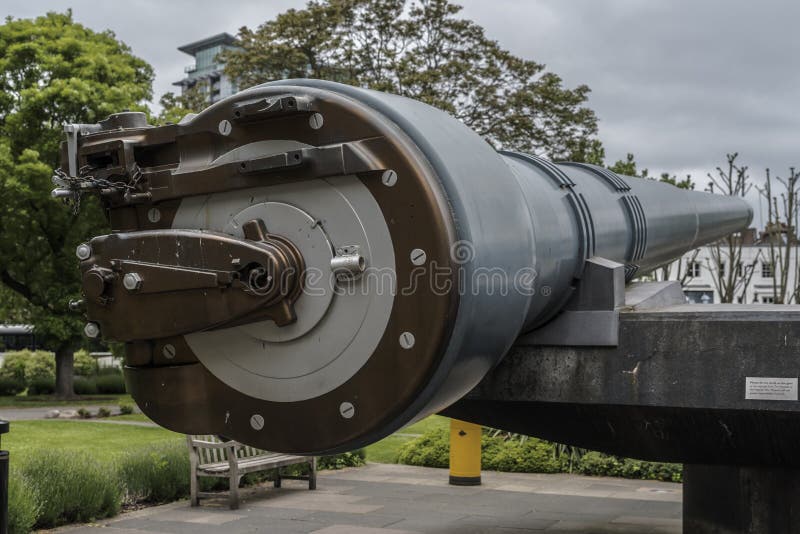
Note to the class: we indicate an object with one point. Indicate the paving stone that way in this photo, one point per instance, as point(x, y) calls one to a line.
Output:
point(389, 499)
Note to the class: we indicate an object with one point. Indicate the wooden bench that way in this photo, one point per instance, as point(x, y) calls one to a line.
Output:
point(212, 457)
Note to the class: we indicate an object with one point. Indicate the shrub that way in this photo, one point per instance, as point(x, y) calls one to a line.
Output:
point(532, 455)
point(158, 473)
point(345, 459)
point(432, 449)
point(23, 504)
point(103, 412)
point(14, 365)
point(83, 413)
point(42, 386)
point(83, 364)
point(71, 487)
point(125, 409)
point(10, 386)
point(110, 383)
point(84, 386)
point(40, 366)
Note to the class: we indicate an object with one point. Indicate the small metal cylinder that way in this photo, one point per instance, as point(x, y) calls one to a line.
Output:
point(348, 266)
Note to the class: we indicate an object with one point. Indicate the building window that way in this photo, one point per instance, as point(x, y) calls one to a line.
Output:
point(693, 269)
point(721, 268)
point(766, 270)
point(699, 297)
point(767, 300)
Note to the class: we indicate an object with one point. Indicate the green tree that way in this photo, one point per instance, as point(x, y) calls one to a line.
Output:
point(53, 71)
point(176, 107)
point(627, 167)
point(422, 49)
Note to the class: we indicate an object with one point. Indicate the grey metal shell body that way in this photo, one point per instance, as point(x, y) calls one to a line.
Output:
point(515, 213)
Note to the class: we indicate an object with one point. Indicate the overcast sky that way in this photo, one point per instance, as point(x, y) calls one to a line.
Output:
point(679, 83)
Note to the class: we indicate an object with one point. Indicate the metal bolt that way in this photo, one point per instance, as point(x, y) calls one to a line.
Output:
point(225, 127)
point(83, 251)
point(418, 256)
point(168, 351)
point(154, 215)
point(132, 281)
point(347, 410)
point(91, 330)
point(389, 178)
point(315, 121)
point(257, 422)
point(407, 340)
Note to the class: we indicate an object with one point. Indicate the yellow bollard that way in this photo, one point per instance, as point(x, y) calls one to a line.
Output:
point(465, 453)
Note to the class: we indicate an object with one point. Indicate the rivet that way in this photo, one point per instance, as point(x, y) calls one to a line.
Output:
point(154, 215)
point(389, 178)
point(347, 410)
point(315, 121)
point(418, 256)
point(257, 421)
point(407, 340)
point(225, 127)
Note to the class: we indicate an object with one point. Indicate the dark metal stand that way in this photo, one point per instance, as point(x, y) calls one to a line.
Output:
point(719, 499)
point(3, 483)
point(671, 386)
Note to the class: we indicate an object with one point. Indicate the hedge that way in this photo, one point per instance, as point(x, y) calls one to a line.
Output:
point(53, 488)
point(532, 455)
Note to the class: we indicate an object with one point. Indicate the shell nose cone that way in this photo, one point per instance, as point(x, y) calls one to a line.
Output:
point(719, 216)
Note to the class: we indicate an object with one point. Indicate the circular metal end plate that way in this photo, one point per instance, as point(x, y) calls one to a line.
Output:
point(361, 351)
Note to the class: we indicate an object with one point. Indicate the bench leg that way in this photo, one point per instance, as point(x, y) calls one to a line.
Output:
point(195, 500)
point(277, 482)
point(312, 474)
point(233, 490)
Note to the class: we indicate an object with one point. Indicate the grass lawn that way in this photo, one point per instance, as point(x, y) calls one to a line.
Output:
point(102, 441)
point(387, 450)
point(31, 401)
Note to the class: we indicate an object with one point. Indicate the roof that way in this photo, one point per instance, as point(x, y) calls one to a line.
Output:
point(208, 42)
point(16, 329)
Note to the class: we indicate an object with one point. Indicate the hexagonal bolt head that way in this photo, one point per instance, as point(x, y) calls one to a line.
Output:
point(91, 330)
point(83, 251)
point(132, 281)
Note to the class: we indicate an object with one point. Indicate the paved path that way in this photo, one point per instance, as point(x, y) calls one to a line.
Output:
point(396, 499)
point(38, 412)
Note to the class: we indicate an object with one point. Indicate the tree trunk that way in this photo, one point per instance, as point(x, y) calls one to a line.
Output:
point(64, 375)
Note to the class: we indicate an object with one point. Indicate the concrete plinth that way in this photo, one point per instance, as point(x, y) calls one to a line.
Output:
point(720, 499)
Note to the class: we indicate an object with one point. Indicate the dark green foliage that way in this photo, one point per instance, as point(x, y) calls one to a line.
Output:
point(345, 459)
point(84, 413)
point(84, 386)
point(71, 487)
point(125, 409)
point(423, 49)
point(110, 383)
point(42, 386)
point(103, 412)
point(10, 386)
point(499, 452)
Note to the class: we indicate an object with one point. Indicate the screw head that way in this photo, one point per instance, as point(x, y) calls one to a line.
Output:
point(316, 121)
point(389, 178)
point(407, 340)
point(153, 215)
point(91, 330)
point(225, 127)
point(132, 281)
point(418, 256)
point(257, 421)
point(84, 251)
point(168, 351)
point(347, 410)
